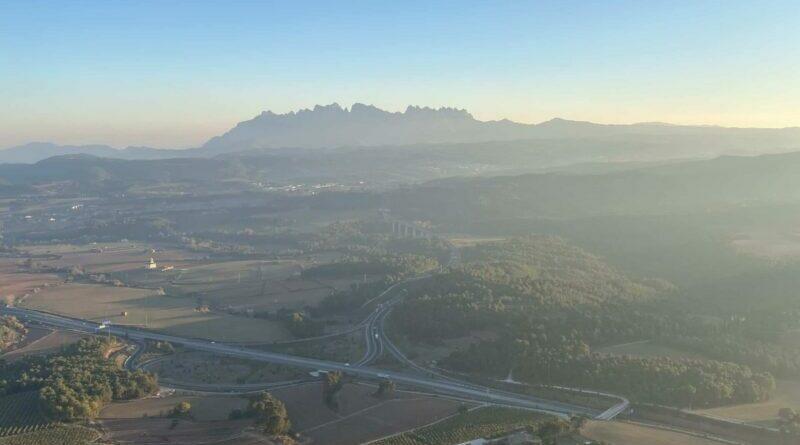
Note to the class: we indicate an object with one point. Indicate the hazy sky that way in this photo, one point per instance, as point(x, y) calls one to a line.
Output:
point(173, 73)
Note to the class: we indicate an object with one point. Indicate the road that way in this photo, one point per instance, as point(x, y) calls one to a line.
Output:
point(377, 342)
point(373, 336)
point(433, 384)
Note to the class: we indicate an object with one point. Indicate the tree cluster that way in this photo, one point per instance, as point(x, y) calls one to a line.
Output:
point(789, 421)
point(332, 383)
point(11, 332)
point(76, 383)
point(270, 413)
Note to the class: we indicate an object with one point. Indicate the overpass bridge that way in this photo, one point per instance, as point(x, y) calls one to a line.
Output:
point(406, 229)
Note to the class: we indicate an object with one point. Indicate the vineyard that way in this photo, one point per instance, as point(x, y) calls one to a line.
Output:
point(481, 423)
point(56, 435)
point(19, 413)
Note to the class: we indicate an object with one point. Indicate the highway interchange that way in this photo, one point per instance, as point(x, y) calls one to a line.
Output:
point(376, 343)
point(434, 384)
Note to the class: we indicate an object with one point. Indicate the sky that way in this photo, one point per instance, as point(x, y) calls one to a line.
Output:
point(171, 74)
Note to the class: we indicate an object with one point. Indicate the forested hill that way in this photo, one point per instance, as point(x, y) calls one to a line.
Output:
point(508, 282)
point(106, 174)
point(681, 187)
point(541, 305)
point(482, 175)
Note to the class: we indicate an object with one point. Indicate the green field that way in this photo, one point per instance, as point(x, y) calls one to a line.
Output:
point(488, 422)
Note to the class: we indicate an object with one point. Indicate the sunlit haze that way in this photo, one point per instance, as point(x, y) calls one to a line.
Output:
point(256, 222)
point(173, 74)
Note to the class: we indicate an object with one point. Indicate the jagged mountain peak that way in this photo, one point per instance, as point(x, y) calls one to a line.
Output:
point(326, 126)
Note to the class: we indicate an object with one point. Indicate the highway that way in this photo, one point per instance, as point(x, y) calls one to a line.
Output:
point(433, 384)
point(377, 342)
point(373, 334)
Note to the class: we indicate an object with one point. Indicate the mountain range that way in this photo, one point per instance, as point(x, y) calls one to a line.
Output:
point(332, 126)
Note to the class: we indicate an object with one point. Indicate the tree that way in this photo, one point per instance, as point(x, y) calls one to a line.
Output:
point(386, 388)
point(578, 422)
point(270, 413)
point(787, 414)
point(687, 394)
point(182, 409)
point(789, 421)
point(549, 431)
point(331, 386)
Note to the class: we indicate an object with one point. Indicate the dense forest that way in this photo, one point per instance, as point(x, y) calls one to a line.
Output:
point(547, 303)
point(76, 383)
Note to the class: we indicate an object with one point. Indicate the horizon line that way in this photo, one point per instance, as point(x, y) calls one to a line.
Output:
point(408, 108)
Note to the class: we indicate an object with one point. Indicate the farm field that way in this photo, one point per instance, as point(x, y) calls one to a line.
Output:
point(624, 433)
point(109, 257)
point(42, 341)
point(203, 368)
point(154, 430)
point(787, 395)
point(386, 418)
point(361, 416)
point(19, 413)
point(146, 308)
point(485, 422)
point(204, 408)
point(15, 285)
point(239, 285)
point(62, 249)
point(22, 339)
point(646, 349)
point(59, 435)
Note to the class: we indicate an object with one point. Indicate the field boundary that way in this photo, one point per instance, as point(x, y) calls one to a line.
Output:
point(733, 431)
point(683, 431)
point(411, 430)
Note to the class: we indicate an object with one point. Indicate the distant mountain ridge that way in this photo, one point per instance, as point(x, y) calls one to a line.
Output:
point(362, 125)
point(36, 151)
point(332, 126)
